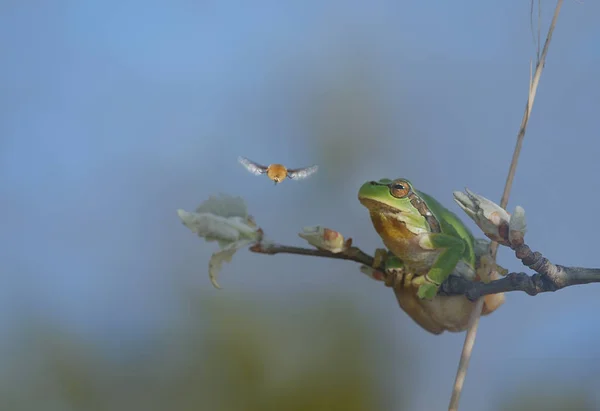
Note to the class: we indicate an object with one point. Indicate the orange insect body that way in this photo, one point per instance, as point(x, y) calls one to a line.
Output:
point(277, 172)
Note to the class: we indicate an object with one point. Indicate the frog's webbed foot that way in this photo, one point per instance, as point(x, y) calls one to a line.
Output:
point(485, 263)
point(397, 274)
point(501, 270)
point(388, 268)
point(397, 277)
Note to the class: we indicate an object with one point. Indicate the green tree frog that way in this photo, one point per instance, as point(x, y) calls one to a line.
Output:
point(431, 243)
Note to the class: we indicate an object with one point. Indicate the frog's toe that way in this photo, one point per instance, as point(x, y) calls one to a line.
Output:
point(380, 257)
point(393, 277)
point(427, 291)
point(408, 279)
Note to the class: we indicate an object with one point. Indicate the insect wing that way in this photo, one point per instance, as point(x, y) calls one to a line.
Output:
point(252, 167)
point(300, 173)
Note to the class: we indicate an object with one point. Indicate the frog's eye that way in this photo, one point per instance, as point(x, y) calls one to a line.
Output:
point(399, 189)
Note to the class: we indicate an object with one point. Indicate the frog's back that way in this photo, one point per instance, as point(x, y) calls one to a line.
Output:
point(452, 225)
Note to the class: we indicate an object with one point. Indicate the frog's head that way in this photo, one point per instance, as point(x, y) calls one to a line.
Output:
point(397, 211)
point(388, 196)
point(394, 206)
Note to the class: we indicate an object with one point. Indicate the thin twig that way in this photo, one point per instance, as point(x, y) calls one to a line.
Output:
point(351, 254)
point(536, 35)
point(539, 31)
point(532, 92)
point(474, 320)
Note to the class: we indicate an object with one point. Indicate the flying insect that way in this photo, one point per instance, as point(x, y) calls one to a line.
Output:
point(277, 172)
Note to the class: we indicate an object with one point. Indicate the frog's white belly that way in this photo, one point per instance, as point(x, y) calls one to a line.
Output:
point(411, 252)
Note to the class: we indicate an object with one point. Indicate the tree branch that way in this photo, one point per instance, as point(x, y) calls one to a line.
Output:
point(532, 285)
point(548, 278)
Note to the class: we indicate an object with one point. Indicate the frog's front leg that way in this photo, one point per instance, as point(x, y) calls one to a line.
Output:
point(452, 249)
point(397, 274)
point(395, 269)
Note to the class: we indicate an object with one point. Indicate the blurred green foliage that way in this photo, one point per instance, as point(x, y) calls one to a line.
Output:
point(220, 354)
point(229, 353)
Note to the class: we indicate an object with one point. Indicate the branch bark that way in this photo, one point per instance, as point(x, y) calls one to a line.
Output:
point(532, 285)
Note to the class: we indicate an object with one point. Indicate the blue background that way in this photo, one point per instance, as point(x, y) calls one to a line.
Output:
point(115, 114)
